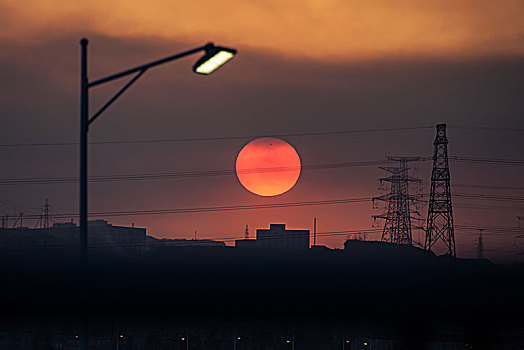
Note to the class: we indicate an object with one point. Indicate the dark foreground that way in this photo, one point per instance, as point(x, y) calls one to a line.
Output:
point(205, 298)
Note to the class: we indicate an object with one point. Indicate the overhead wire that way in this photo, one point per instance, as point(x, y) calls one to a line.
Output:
point(252, 206)
point(239, 137)
point(218, 138)
point(485, 128)
point(211, 209)
point(187, 174)
point(230, 172)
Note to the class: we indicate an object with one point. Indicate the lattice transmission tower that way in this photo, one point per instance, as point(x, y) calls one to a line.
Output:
point(440, 212)
point(480, 245)
point(399, 215)
point(246, 232)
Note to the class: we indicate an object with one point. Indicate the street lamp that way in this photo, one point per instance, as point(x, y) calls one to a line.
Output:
point(214, 57)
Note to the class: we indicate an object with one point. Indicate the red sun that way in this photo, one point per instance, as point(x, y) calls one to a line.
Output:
point(268, 166)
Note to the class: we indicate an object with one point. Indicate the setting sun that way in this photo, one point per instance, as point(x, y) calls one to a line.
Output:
point(268, 166)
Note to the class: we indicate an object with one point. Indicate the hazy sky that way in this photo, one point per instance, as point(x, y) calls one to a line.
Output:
point(303, 66)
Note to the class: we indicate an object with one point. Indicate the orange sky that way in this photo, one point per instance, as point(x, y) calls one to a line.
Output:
point(369, 65)
point(324, 30)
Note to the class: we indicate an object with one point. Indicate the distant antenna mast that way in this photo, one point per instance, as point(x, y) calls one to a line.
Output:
point(246, 232)
point(315, 231)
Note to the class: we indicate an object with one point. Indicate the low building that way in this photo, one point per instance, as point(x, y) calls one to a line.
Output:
point(277, 237)
point(246, 243)
point(179, 242)
point(62, 237)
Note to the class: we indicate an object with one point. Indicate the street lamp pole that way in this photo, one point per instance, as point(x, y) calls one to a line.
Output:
point(214, 57)
point(84, 112)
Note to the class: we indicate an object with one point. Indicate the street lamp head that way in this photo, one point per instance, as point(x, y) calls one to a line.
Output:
point(214, 58)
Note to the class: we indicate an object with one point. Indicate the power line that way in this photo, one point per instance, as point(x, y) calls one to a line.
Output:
point(506, 229)
point(230, 172)
point(239, 207)
point(211, 209)
point(488, 160)
point(486, 207)
point(487, 128)
point(224, 138)
point(185, 174)
point(488, 197)
point(492, 187)
point(240, 137)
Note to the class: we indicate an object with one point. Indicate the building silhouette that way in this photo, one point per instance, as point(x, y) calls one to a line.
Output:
point(277, 237)
point(180, 242)
point(61, 239)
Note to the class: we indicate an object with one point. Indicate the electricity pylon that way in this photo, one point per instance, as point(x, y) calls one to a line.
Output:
point(440, 212)
point(398, 226)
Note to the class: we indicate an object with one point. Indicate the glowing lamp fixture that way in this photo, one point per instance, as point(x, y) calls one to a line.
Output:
point(214, 58)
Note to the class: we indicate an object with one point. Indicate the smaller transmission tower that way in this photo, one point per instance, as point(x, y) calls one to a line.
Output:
point(246, 233)
point(19, 219)
point(480, 245)
point(440, 212)
point(398, 228)
point(46, 214)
